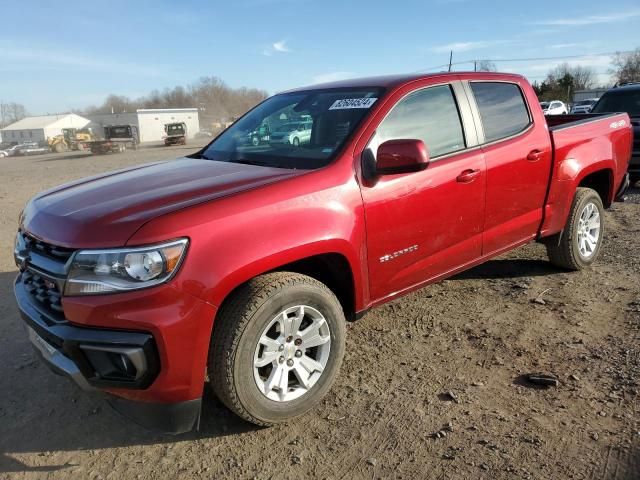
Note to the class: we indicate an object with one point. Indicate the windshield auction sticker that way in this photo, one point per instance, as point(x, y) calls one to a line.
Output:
point(352, 103)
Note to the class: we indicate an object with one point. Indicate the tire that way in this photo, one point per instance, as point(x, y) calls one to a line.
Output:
point(240, 329)
point(296, 142)
point(564, 250)
point(59, 147)
point(633, 179)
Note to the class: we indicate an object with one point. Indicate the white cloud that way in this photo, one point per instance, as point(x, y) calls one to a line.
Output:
point(331, 77)
point(276, 47)
point(590, 19)
point(281, 46)
point(464, 46)
point(558, 46)
point(56, 57)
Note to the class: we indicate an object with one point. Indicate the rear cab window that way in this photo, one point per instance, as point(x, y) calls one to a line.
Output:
point(502, 107)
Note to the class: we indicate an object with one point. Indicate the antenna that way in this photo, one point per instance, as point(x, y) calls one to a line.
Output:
point(450, 59)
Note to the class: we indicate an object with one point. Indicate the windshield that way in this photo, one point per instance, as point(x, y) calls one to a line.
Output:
point(544, 104)
point(294, 130)
point(626, 101)
point(582, 103)
point(175, 129)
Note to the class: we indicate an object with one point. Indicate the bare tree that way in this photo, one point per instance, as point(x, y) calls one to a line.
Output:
point(486, 66)
point(11, 113)
point(626, 67)
point(582, 78)
point(215, 100)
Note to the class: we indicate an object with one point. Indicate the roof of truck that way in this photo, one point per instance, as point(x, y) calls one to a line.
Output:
point(389, 81)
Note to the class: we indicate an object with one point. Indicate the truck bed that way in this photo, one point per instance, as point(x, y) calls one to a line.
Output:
point(583, 143)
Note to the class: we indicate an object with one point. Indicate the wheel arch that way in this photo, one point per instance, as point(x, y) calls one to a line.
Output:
point(602, 182)
point(331, 268)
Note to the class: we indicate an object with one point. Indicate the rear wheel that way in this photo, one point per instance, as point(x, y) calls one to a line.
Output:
point(578, 245)
point(277, 346)
point(296, 142)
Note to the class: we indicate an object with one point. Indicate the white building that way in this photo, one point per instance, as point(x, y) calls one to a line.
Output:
point(37, 129)
point(150, 122)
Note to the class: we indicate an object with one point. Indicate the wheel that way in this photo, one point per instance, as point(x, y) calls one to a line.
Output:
point(277, 346)
point(633, 179)
point(578, 245)
point(255, 141)
point(59, 148)
point(296, 142)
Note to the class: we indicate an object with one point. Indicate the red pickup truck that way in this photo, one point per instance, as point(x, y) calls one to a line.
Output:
point(241, 263)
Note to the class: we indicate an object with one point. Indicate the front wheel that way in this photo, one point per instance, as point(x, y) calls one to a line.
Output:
point(578, 245)
point(277, 346)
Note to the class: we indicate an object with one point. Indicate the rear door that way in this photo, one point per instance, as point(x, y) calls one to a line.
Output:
point(518, 156)
point(424, 224)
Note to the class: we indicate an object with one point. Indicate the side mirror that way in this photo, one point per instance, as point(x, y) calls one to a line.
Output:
point(401, 156)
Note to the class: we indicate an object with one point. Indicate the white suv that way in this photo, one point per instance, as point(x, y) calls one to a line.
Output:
point(555, 107)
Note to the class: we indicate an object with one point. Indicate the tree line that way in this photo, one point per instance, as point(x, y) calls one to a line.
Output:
point(213, 97)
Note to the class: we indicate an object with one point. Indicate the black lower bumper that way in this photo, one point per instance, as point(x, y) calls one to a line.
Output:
point(68, 350)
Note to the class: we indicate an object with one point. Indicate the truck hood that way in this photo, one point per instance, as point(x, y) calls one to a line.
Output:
point(106, 210)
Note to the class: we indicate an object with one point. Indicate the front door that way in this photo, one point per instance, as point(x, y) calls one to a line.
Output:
point(424, 224)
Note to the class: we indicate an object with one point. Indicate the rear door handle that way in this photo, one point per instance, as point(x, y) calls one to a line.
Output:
point(467, 176)
point(534, 155)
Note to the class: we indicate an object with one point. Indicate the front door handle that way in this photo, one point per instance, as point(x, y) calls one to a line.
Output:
point(534, 155)
point(467, 175)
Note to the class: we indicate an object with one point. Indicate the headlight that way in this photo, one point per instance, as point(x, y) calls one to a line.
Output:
point(123, 269)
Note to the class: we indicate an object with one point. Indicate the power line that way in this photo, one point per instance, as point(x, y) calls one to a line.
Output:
point(531, 59)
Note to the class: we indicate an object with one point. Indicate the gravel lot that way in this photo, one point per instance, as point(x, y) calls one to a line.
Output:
point(431, 386)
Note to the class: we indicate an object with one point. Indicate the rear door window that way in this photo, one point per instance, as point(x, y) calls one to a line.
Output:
point(503, 110)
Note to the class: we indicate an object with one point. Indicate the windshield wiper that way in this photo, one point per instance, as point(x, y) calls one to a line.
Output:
point(246, 161)
point(200, 155)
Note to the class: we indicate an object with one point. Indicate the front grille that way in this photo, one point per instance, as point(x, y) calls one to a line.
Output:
point(43, 290)
point(32, 244)
point(45, 274)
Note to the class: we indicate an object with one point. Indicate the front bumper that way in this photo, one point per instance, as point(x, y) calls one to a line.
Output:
point(63, 347)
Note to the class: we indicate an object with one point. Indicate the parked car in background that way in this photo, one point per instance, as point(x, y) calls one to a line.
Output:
point(583, 106)
point(241, 264)
point(625, 98)
point(14, 150)
point(33, 149)
point(3, 153)
point(292, 133)
point(554, 107)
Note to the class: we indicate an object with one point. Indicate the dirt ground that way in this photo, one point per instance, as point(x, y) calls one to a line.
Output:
point(446, 359)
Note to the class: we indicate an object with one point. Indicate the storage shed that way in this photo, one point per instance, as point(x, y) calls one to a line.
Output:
point(37, 129)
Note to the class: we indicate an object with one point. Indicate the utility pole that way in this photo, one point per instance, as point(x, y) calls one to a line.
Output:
point(475, 65)
point(450, 59)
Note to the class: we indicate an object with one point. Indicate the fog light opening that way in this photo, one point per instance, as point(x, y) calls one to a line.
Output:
point(116, 363)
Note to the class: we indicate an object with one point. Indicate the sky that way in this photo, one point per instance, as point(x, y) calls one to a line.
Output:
point(56, 57)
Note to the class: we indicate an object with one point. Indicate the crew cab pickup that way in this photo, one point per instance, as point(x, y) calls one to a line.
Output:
point(241, 263)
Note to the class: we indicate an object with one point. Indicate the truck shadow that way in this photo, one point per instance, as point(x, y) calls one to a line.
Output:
point(509, 268)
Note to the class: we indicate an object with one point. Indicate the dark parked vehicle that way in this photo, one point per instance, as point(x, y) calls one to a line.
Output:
point(625, 98)
point(117, 139)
